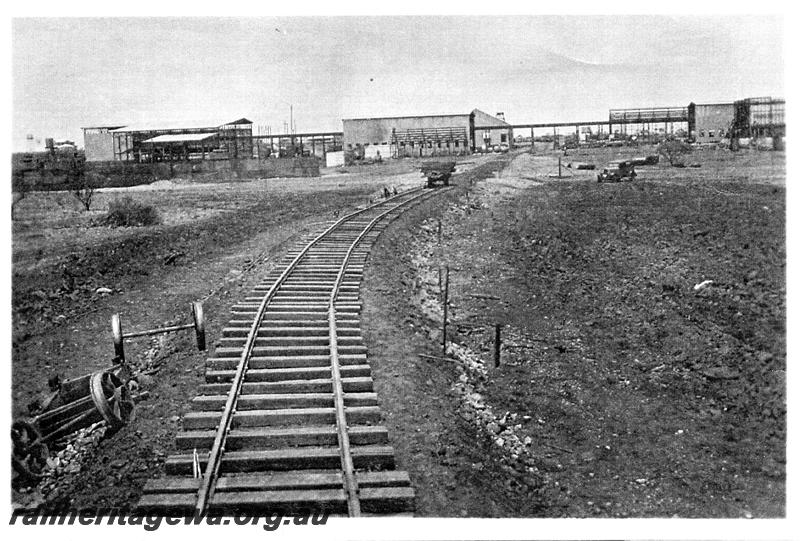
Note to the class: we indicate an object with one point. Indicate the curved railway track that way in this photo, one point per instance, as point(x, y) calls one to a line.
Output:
point(288, 418)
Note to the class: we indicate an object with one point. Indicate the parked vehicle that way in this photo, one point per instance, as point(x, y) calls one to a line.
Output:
point(645, 160)
point(617, 171)
point(438, 171)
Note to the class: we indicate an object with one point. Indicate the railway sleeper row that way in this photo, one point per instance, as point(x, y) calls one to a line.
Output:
point(281, 452)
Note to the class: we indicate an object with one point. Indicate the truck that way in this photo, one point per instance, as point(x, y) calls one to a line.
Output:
point(438, 171)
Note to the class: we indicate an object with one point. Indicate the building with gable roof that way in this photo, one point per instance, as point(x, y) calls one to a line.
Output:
point(424, 135)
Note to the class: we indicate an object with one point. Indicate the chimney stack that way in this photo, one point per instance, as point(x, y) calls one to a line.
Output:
point(501, 116)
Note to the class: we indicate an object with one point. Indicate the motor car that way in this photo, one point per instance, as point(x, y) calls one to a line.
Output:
point(617, 171)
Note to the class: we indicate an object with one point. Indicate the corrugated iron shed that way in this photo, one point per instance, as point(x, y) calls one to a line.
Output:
point(180, 137)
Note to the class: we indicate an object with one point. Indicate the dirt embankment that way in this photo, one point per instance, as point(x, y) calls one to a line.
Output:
point(455, 472)
point(638, 387)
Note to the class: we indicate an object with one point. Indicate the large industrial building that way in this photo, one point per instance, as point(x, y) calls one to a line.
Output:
point(169, 141)
point(751, 117)
point(710, 122)
point(759, 117)
point(432, 135)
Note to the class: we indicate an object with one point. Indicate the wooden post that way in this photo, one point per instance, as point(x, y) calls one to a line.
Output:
point(559, 167)
point(497, 344)
point(444, 319)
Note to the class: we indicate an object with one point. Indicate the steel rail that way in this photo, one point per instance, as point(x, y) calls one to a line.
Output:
point(207, 485)
point(350, 482)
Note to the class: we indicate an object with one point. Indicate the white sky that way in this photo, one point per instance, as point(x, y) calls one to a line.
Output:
point(74, 72)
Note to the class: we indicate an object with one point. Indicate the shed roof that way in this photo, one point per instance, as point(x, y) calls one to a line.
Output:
point(485, 119)
point(179, 137)
point(404, 117)
point(109, 127)
point(181, 125)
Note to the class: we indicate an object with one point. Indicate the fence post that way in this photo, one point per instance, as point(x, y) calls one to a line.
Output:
point(444, 319)
point(497, 344)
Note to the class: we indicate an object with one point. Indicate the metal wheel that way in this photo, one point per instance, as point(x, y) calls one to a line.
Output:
point(111, 398)
point(116, 331)
point(29, 455)
point(199, 325)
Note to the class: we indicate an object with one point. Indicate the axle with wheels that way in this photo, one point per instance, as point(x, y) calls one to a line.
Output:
point(198, 324)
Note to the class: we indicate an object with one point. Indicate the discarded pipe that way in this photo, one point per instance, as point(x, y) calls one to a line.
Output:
point(83, 420)
point(62, 413)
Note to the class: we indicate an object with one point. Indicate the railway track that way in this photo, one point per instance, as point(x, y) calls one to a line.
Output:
point(288, 418)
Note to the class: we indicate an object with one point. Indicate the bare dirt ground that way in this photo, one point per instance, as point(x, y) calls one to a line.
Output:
point(622, 392)
point(216, 241)
point(624, 389)
point(455, 472)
